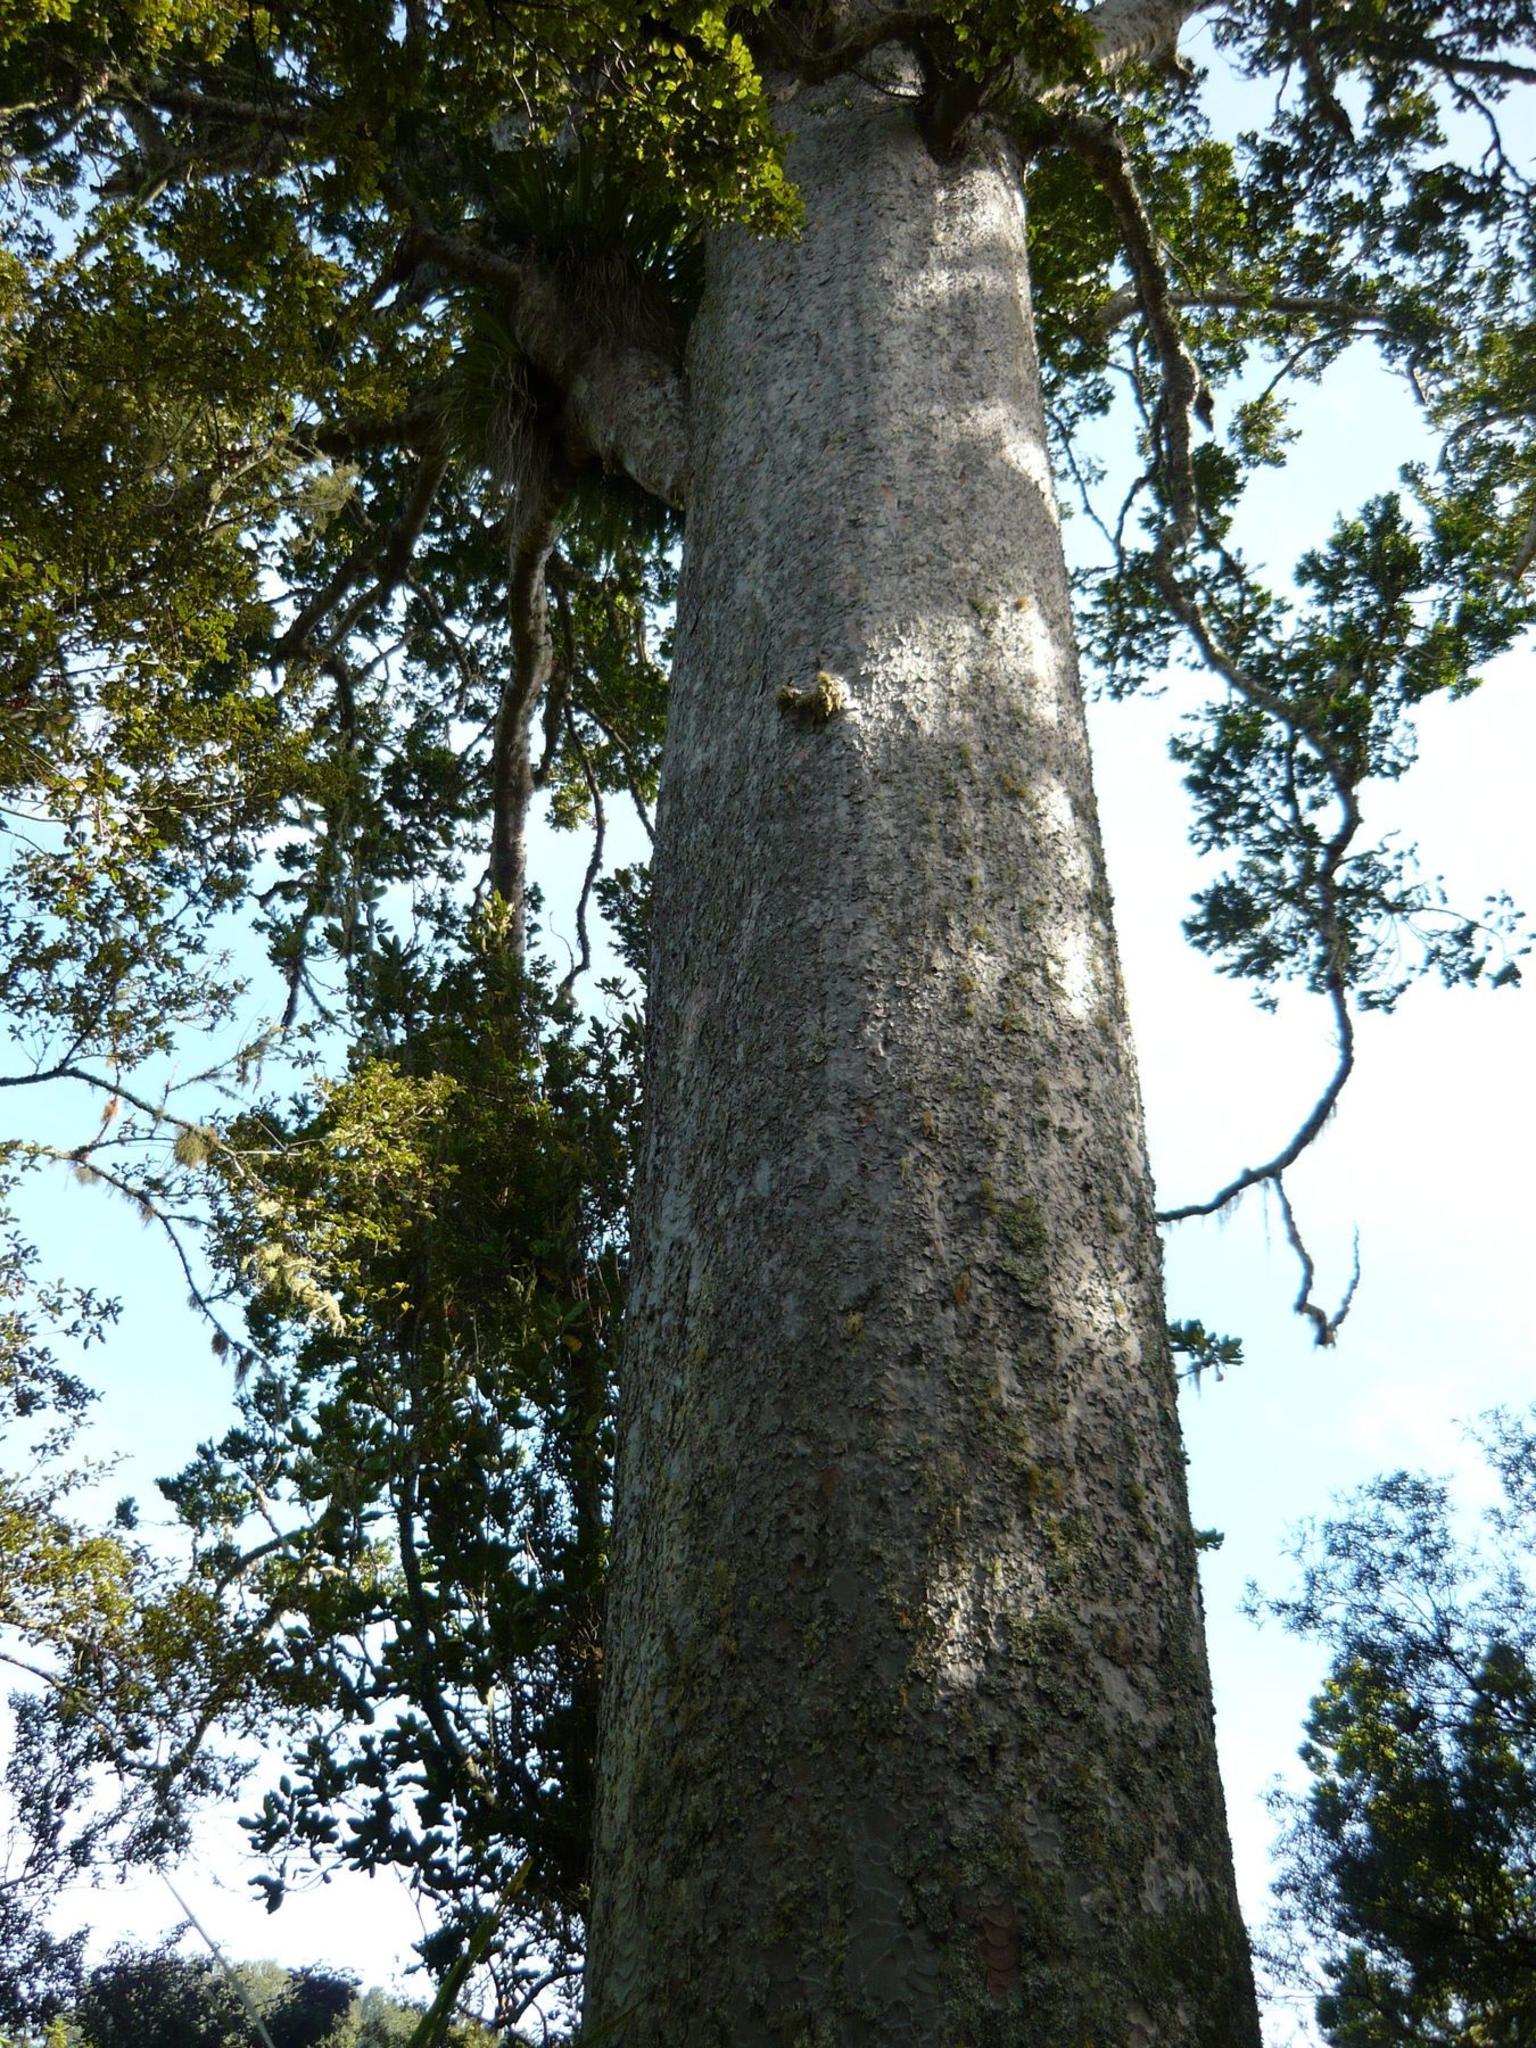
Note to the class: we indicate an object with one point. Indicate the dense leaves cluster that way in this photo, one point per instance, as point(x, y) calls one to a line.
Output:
point(160, 1998)
point(1409, 1861)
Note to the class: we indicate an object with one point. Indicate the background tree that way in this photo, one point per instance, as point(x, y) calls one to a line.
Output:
point(361, 336)
point(158, 1998)
point(1410, 1861)
point(395, 1554)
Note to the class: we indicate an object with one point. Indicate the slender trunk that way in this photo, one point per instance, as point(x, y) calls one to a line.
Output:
point(908, 1729)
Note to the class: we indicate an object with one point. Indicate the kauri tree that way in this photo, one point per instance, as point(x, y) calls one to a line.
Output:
point(363, 366)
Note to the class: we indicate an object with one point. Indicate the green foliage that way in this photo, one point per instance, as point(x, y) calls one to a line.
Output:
point(276, 407)
point(1369, 211)
point(1198, 1351)
point(158, 1998)
point(154, 1998)
point(1328, 711)
point(396, 1553)
point(1407, 1862)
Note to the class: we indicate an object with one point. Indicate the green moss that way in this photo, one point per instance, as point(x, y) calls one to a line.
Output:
point(1024, 1230)
point(1045, 1486)
point(1024, 1225)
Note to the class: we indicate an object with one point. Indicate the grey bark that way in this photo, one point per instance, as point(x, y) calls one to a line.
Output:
point(907, 1736)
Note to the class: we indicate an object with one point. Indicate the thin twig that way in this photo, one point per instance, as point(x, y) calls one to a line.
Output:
point(1121, 305)
point(1325, 1327)
point(391, 549)
point(258, 2025)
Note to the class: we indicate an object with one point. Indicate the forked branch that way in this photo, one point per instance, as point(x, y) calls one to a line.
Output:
point(1325, 1327)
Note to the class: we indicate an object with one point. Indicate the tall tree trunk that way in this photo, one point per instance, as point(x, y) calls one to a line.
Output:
point(908, 1730)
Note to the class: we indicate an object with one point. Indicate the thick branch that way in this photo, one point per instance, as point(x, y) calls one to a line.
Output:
point(624, 404)
point(218, 109)
point(1141, 31)
point(582, 963)
point(1127, 32)
point(558, 694)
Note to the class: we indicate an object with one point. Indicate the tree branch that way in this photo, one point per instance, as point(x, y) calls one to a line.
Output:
point(151, 1212)
point(289, 119)
point(583, 962)
point(1525, 554)
point(1183, 391)
point(417, 426)
point(1141, 31)
point(471, 676)
point(1127, 32)
point(558, 693)
point(391, 549)
point(624, 402)
point(1325, 1327)
point(1291, 1151)
point(1295, 305)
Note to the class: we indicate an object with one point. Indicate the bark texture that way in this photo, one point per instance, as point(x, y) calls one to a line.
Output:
point(908, 1736)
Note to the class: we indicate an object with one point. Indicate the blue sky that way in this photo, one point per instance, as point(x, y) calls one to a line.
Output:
point(1428, 1155)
